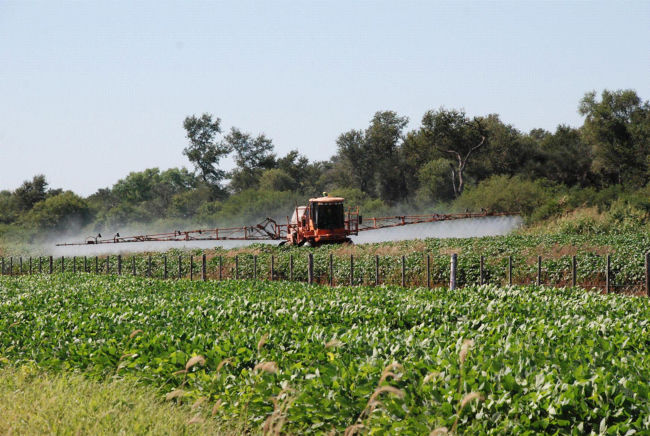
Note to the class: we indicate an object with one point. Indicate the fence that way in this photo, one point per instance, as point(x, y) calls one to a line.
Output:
point(332, 271)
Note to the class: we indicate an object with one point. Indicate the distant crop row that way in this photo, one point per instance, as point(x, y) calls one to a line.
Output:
point(296, 358)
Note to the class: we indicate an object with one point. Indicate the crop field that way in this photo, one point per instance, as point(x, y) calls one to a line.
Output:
point(626, 252)
point(295, 358)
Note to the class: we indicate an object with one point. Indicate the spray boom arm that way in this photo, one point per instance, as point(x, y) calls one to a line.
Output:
point(269, 229)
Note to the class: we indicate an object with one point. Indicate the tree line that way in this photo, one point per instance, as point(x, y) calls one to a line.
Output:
point(451, 161)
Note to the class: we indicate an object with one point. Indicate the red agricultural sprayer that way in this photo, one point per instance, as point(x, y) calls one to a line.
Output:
point(324, 220)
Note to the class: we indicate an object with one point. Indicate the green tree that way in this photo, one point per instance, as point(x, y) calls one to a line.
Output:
point(277, 180)
point(31, 192)
point(186, 204)
point(502, 193)
point(506, 151)
point(9, 210)
point(618, 129)
point(451, 132)
point(300, 169)
point(356, 159)
point(568, 158)
point(253, 155)
point(205, 151)
point(384, 137)
point(434, 181)
point(59, 212)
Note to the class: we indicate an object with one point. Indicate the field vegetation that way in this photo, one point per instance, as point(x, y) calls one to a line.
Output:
point(296, 358)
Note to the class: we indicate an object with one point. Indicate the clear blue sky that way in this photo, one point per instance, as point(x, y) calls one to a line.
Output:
point(90, 91)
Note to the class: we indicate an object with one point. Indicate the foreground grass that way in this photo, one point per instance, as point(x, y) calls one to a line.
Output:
point(36, 403)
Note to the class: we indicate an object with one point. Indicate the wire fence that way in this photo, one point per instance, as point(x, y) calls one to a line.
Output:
point(407, 271)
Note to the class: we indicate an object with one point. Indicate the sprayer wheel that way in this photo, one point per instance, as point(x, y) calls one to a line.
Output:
point(282, 243)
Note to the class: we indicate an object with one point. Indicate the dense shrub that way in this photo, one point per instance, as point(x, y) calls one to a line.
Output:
point(59, 212)
point(505, 194)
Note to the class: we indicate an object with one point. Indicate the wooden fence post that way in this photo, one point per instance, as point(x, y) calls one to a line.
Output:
point(30, 266)
point(255, 267)
point(403, 271)
point(108, 264)
point(180, 267)
point(2, 266)
point(133, 267)
point(11, 266)
point(310, 268)
point(204, 268)
point(574, 272)
point(62, 264)
point(351, 269)
point(237, 267)
point(452, 272)
point(539, 270)
point(608, 283)
point(119, 264)
point(40, 265)
point(510, 270)
point(21, 264)
point(149, 266)
point(165, 273)
point(85, 264)
point(331, 269)
point(191, 267)
point(220, 268)
point(481, 272)
point(51, 264)
point(96, 264)
point(428, 271)
point(74, 264)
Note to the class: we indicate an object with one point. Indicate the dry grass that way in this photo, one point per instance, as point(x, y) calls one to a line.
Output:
point(334, 343)
point(269, 367)
point(37, 403)
point(263, 340)
point(373, 401)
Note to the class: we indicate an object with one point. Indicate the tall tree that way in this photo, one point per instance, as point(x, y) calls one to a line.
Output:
point(357, 158)
point(618, 129)
point(31, 192)
point(454, 134)
point(568, 158)
point(253, 155)
point(204, 150)
point(384, 138)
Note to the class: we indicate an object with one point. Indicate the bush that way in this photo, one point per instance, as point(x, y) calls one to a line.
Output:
point(435, 182)
point(58, 212)
point(277, 180)
point(506, 194)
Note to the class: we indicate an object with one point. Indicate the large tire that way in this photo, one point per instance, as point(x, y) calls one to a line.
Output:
point(308, 243)
point(282, 243)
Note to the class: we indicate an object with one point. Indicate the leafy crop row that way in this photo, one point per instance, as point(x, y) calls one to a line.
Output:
point(315, 358)
point(627, 254)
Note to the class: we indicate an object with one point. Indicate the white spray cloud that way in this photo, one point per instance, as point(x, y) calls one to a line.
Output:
point(464, 228)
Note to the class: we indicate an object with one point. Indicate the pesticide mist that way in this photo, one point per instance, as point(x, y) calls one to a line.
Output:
point(464, 228)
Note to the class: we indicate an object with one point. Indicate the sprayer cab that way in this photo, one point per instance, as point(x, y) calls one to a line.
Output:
point(323, 221)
